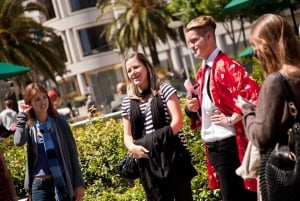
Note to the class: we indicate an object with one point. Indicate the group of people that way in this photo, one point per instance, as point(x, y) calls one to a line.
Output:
point(153, 121)
point(220, 104)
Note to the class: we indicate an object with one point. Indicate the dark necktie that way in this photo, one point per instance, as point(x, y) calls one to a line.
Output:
point(208, 70)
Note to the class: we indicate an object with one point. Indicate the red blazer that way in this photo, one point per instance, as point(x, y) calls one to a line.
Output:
point(228, 80)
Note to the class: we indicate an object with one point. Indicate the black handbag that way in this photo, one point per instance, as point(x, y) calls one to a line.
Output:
point(282, 170)
point(128, 167)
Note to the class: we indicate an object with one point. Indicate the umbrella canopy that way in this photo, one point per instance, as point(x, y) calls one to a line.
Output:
point(237, 5)
point(246, 52)
point(240, 5)
point(10, 70)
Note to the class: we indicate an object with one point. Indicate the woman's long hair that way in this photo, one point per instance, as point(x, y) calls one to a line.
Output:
point(275, 43)
point(30, 91)
point(152, 77)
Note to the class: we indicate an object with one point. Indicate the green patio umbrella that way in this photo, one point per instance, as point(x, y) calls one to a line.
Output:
point(8, 70)
point(246, 52)
point(235, 6)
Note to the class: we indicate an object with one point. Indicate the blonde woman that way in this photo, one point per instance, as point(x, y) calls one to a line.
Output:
point(153, 122)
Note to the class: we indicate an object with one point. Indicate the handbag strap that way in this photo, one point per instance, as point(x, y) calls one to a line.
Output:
point(293, 111)
point(287, 94)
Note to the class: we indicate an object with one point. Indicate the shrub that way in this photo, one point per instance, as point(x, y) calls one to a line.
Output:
point(100, 146)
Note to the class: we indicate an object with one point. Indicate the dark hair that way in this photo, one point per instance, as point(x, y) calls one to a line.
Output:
point(9, 103)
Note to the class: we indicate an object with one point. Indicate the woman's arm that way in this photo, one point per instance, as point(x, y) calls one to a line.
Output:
point(137, 150)
point(175, 113)
point(264, 126)
point(21, 133)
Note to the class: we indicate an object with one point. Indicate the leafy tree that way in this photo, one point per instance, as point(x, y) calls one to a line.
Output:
point(141, 23)
point(193, 8)
point(26, 42)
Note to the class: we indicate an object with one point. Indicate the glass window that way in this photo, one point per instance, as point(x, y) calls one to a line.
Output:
point(92, 42)
point(68, 87)
point(50, 13)
point(82, 4)
point(103, 86)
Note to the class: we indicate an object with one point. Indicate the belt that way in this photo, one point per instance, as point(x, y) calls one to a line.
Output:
point(43, 177)
point(214, 146)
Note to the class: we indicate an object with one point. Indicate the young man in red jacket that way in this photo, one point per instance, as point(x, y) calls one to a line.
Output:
point(212, 109)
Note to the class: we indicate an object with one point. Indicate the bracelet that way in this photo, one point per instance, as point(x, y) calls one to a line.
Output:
point(229, 120)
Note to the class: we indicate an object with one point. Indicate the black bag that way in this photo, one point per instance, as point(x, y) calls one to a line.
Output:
point(128, 167)
point(282, 170)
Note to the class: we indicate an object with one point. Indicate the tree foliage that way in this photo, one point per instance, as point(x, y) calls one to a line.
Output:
point(193, 8)
point(101, 147)
point(27, 42)
point(138, 23)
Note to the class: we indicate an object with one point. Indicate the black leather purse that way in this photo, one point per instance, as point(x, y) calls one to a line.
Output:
point(282, 170)
point(128, 167)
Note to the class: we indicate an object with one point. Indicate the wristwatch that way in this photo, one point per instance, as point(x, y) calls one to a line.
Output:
point(229, 120)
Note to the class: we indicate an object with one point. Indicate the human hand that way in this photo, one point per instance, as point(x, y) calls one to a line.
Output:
point(25, 108)
point(218, 117)
point(79, 193)
point(140, 152)
point(241, 102)
point(192, 104)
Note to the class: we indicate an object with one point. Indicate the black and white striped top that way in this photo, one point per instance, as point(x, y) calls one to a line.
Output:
point(166, 91)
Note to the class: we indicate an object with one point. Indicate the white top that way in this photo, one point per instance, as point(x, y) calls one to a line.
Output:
point(8, 117)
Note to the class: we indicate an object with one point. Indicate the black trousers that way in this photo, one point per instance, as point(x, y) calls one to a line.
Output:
point(166, 189)
point(223, 155)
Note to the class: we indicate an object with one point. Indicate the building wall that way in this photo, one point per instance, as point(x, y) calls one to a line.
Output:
point(97, 72)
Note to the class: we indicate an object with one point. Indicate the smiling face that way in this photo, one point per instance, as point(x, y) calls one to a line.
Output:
point(40, 102)
point(137, 73)
point(201, 42)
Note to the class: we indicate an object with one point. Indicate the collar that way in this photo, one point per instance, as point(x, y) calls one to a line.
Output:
point(209, 62)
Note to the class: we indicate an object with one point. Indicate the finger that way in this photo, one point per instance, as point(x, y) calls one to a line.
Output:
point(188, 97)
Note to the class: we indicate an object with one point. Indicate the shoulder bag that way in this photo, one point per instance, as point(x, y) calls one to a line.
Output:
point(282, 170)
point(250, 163)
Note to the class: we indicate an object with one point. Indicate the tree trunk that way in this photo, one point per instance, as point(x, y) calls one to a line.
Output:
point(153, 52)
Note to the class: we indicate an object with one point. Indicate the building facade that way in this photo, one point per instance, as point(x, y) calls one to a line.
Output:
point(94, 67)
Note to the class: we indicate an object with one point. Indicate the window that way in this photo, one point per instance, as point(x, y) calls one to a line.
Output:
point(92, 42)
point(68, 87)
point(82, 4)
point(50, 13)
point(103, 86)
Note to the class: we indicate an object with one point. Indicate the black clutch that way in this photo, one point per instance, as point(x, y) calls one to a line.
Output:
point(128, 167)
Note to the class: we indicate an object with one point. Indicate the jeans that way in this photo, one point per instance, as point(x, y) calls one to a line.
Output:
point(42, 190)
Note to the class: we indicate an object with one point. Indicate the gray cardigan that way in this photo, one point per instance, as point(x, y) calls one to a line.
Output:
point(68, 150)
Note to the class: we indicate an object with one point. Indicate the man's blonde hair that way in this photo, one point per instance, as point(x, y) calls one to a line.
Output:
point(201, 22)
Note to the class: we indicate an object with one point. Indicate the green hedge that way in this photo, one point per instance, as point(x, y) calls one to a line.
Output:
point(100, 146)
